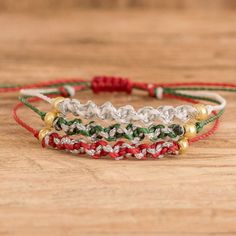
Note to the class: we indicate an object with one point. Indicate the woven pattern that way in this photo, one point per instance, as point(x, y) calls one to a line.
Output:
point(127, 114)
point(120, 150)
point(116, 131)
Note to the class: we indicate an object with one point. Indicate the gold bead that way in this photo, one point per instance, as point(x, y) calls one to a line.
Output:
point(183, 145)
point(202, 113)
point(56, 102)
point(49, 118)
point(190, 131)
point(43, 132)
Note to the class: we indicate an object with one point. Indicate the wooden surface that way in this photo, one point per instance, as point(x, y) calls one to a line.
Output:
point(54, 5)
point(44, 192)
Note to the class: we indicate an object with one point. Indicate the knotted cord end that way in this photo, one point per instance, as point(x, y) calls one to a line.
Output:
point(111, 84)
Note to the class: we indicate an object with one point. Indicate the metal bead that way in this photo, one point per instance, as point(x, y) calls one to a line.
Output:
point(183, 145)
point(49, 118)
point(43, 132)
point(178, 129)
point(202, 113)
point(56, 102)
point(190, 130)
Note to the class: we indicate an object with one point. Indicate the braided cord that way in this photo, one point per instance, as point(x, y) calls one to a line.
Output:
point(116, 131)
point(117, 151)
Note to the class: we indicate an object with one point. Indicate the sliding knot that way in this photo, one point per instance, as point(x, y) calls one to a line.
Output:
point(111, 84)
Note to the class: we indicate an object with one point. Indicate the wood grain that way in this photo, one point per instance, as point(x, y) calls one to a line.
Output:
point(55, 5)
point(44, 192)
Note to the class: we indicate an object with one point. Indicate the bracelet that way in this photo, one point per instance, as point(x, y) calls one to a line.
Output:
point(147, 114)
point(101, 148)
point(114, 132)
point(118, 151)
point(127, 114)
point(169, 138)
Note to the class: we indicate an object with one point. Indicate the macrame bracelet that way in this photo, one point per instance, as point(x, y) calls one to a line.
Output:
point(117, 151)
point(147, 115)
point(127, 114)
point(100, 147)
point(114, 132)
point(130, 132)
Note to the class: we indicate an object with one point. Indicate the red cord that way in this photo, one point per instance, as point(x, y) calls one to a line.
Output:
point(41, 84)
point(125, 82)
point(20, 121)
point(207, 134)
point(180, 98)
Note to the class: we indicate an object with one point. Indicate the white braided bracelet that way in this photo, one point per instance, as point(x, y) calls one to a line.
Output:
point(127, 114)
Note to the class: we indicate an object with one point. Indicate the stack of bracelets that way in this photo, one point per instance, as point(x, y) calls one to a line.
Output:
point(152, 132)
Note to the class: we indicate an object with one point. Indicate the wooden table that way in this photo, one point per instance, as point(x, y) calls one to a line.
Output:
point(45, 192)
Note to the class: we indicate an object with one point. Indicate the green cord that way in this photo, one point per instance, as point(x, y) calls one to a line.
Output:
point(205, 89)
point(35, 109)
point(9, 86)
point(85, 83)
point(200, 125)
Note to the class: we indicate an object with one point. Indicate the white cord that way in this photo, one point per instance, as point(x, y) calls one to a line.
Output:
point(159, 93)
point(212, 95)
point(70, 90)
point(38, 93)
